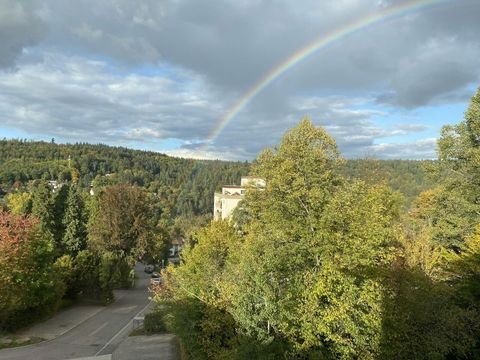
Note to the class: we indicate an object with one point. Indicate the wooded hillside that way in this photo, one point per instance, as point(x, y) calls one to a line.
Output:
point(186, 184)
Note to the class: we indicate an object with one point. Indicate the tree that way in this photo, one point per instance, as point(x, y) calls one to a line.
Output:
point(199, 286)
point(43, 206)
point(322, 291)
point(19, 203)
point(86, 273)
point(74, 222)
point(122, 223)
point(203, 263)
point(304, 274)
point(59, 208)
point(302, 174)
point(28, 283)
point(74, 175)
point(457, 204)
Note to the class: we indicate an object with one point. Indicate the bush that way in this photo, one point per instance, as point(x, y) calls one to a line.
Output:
point(93, 277)
point(153, 323)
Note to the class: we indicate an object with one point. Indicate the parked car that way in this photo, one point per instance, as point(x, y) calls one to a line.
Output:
point(155, 279)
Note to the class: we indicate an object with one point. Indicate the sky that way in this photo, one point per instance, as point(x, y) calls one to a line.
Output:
point(164, 75)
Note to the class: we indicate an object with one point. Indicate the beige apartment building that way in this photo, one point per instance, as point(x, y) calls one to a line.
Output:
point(226, 201)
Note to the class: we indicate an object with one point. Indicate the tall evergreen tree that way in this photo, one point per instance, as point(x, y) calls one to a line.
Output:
point(60, 205)
point(74, 222)
point(43, 206)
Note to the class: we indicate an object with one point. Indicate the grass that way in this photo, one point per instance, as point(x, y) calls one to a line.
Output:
point(11, 341)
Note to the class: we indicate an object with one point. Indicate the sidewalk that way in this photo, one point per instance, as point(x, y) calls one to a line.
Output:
point(60, 323)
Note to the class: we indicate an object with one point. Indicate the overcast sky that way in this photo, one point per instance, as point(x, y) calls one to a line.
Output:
point(162, 74)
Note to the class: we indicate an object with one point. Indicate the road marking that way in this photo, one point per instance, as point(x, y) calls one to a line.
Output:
point(124, 309)
point(121, 330)
point(98, 329)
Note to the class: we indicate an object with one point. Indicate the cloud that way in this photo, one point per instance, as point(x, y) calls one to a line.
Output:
point(20, 27)
point(420, 149)
point(351, 121)
point(234, 43)
point(434, 72)
point(81, 100)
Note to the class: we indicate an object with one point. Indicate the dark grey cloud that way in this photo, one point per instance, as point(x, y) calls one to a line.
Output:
point(443, 68)
point(234, 43)
point(20, 27)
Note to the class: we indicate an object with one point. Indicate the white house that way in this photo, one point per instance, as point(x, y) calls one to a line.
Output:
point(226, 201)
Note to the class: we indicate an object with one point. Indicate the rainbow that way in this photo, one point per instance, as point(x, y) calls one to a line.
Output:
point(318, 44)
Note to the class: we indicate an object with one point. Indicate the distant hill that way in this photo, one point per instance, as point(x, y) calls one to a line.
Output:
point(405, 176)
point(186, 185)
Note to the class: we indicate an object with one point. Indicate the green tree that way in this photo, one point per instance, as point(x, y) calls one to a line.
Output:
point(19, 203)
point(457, 204)
point(29, 287)
point(203, 265)
point(321, 291)
point(122, 224)
point(74, 222)
point(302, 175)
point(96, 275)
point(59, 208)
point(195, 292)
point(43, 206)
point(301, 178)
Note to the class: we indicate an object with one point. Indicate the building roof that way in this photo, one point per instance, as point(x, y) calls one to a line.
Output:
point(226, 196)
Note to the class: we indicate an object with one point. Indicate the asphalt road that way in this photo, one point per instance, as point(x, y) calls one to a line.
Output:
point(99, 335)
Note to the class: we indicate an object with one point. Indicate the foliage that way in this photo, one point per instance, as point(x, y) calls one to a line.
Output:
point(464, 267)
point(203, 264)
point(405, 176)
point(457, 201)
point(92, 274)
point(317, 265)
point(185, 186)
point(74, 223)
point(28, 285)
point(19, 203)
point(422, 319)
point(304, 276)
point(43, 206)
point(122, 223)
point(65, 273)
point(154, 323)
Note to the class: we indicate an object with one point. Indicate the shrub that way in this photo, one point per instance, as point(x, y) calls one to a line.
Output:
point(153, 323)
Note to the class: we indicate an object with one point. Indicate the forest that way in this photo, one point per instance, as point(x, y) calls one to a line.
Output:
point(321, 264)
point(185, 186)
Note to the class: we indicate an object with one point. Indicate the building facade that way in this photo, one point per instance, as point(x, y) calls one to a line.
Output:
point(226, 201)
